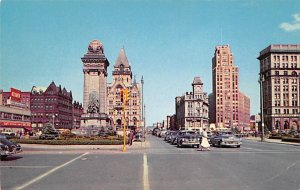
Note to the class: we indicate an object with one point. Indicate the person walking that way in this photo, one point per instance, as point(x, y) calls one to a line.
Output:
point(204, 143)
point(131, 137)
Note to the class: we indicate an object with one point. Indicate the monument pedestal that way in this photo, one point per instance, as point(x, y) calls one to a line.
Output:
point(94, 119)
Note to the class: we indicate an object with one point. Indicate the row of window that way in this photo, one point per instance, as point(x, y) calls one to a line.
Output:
point(285, 57)
point(286, 111)
point(285, 65)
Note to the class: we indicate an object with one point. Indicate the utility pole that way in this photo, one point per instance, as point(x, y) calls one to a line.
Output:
point(143, 119)
point(261, 80)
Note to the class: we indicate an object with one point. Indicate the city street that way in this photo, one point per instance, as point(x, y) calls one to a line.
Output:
point(156, 166)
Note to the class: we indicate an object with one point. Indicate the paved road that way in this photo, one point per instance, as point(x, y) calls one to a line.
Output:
point(254, 166)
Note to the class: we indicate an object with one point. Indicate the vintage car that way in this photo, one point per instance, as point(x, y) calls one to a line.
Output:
point(8, 147)
point(173, 137)
point(188, 138)
point(226, 139)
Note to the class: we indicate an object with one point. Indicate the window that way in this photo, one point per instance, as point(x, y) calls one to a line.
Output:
point(276, 73)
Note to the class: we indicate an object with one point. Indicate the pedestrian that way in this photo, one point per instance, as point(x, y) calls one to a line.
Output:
point(131, 138)
point(204, 143)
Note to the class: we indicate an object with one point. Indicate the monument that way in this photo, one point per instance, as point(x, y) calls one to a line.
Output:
point(95, 90)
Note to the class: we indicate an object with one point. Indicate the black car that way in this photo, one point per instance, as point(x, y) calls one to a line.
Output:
point(8, 147)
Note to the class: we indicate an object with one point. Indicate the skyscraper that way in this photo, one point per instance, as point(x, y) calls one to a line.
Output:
point(279, 71)
point(224, 101)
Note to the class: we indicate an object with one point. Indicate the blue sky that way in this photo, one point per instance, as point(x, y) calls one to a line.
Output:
point(168, 42)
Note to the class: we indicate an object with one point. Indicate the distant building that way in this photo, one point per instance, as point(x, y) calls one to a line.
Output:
point(280, 70)
point(243, 112)
point(225, 110)
point(192, 108)
point(173, 123)
point(122, 79)
point(14, 114)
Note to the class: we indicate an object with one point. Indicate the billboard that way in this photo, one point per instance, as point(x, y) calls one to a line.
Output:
point(15, 95)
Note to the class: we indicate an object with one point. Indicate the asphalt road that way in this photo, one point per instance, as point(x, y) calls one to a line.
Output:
point(254, 166)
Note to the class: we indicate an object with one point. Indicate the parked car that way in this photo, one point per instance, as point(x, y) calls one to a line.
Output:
point(226, 139)
point(173, 138)
point(47, 136)
point(8, 147)
point(138, 137)
point(162, 133)
point(188, 138)
point(168, 135)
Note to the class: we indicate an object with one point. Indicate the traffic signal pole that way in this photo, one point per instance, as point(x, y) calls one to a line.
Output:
point(124, 101)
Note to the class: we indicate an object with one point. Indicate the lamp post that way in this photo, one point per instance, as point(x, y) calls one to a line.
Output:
point(261, 80)
point(143, 119)
point(53, 117)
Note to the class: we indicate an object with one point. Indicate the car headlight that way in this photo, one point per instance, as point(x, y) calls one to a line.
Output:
point(183, 140)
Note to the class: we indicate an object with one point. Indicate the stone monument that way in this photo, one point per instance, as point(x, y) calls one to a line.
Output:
point(95, 90)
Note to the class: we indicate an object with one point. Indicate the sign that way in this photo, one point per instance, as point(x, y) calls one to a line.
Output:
point(15, 95)
point(18, 124)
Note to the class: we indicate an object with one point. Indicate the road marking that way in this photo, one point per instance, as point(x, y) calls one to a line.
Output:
point(26, 166)
point(145, 176)
point(48, 173)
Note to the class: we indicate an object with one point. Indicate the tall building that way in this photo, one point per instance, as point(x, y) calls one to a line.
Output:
point(122, 79)
point(192, 108)
point(225, 111)
point(279, 71)
point(95, 86)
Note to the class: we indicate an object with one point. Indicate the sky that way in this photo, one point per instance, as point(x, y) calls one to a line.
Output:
point(167, 42)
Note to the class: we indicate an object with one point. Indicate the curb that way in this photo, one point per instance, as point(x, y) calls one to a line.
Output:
point(266, 141)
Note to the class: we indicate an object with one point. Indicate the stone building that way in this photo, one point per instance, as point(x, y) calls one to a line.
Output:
point(279, 71)
point(122, 79)
point(192, 108)
point(225, 111)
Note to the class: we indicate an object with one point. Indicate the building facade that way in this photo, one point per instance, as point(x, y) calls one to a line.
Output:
point(192, 108)
point(243, 112)
point(225, 110)
point(122, 79)
point(14, 115)
point(51, 105)
point(279, 71)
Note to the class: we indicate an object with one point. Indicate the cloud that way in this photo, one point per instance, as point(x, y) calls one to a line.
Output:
point(294, 25)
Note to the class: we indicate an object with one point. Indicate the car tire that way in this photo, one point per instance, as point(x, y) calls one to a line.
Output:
point(197, 145)
point(3, 157)
point(238, 146)
point(219, 144)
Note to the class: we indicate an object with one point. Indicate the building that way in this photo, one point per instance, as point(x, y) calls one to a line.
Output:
point(243, 112)
point(14, 114)
point(225, 111)
point(192, 108)
point(24, 99)
point(77, 112)
point(51, 105)
point(95, 86)
point(122, 79)
point(279, 71)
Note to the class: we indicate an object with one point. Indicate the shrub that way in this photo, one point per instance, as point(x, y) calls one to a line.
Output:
point(70, 142)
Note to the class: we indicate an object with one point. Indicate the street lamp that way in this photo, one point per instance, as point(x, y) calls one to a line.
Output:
point(53, 117)
point(260, 81)
point(142, 82)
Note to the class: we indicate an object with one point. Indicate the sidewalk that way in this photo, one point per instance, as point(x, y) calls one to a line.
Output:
point(135, 146)
point(278, 141)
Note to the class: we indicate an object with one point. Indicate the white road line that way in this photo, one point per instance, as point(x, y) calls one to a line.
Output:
point(145, 176)
point(26, 166)
point(47, 173)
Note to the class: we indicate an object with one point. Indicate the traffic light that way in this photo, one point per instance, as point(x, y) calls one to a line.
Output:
point(126, 94)
point(122, 95)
